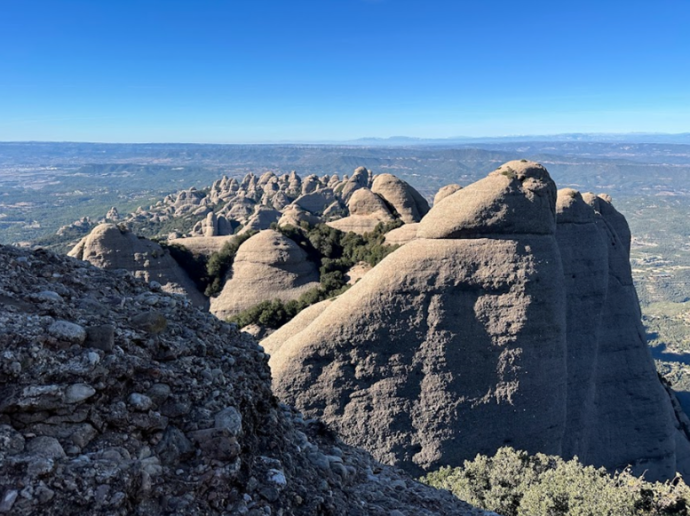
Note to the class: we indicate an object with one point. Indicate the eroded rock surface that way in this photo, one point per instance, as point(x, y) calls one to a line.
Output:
point(495, 326)
point(118, 400)
point(445, 348)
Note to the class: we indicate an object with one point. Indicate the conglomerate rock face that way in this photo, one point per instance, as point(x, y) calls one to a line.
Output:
point(495, 326)
point(121, 400)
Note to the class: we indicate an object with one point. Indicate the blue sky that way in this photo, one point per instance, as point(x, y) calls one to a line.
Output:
point(277, 70)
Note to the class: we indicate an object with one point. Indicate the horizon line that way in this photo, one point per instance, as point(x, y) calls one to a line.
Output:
point(382, 139)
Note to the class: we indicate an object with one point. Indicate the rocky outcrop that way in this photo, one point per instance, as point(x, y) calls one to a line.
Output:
point(293, 215)
point(496, 326)
point(366, 209)
point(267, 266)
point(112, 247)
point(118, 400)
point(407, 203)
point(445, 348)
point(402, 235)
point(445, 191)
point(262, 218)
point(629, 400)
point(296, 325)
point(202, 245)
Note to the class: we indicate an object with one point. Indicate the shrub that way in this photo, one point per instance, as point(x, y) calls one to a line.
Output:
point(513, 483)
point(220, 263)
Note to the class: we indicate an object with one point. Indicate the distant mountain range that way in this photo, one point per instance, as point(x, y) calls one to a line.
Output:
point(566, 137)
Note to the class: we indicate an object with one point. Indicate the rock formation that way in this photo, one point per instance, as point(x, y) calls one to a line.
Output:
point(118, 400)
point(492, 328)
point(402, 235)
point(366, 209)
point(445, 191)
point(112, 247)
point(409, 205)
point(267, 266)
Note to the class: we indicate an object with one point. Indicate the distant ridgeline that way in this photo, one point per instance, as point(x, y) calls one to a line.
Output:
point(506, 317)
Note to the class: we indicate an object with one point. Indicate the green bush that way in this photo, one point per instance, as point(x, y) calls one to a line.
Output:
point(219, 263)
point(513, 483)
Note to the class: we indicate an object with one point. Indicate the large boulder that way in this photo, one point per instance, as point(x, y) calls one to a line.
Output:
point(112, 247)
point(407, 202)
point(448, 348)
point(267, 266)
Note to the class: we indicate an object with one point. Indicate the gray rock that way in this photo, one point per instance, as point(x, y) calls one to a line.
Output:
point(229, 419)
point(151, 321)
point(140, 402)
point(8, 500)
point(68, 331)
point(46, 447)
point(100, 337)
point(11, 441)
point(48, 295)
point(78, 392)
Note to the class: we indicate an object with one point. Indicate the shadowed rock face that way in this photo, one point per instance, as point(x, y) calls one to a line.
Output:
point(109, 247)
point(496, 326)
point(444, 348)
point(641, 426)
point(267, 266)
point(585, 272)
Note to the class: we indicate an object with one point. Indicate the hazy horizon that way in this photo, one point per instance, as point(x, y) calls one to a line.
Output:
point(633, 137)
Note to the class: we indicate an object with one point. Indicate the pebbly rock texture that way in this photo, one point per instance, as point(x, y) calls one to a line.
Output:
point(113, 247)
point(495, 326)
point(446, 347)
point(267, 266)
point(175, 418)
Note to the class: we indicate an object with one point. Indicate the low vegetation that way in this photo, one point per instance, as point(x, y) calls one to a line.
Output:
point(220, 263)
point(514, 483)
point(335, 253)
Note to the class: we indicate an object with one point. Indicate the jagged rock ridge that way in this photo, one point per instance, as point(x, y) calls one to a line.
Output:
point(120, 400)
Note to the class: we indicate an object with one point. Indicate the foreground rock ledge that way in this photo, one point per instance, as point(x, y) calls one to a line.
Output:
point(118, 400)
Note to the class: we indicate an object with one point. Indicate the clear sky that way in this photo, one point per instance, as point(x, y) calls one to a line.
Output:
point(280, 70)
